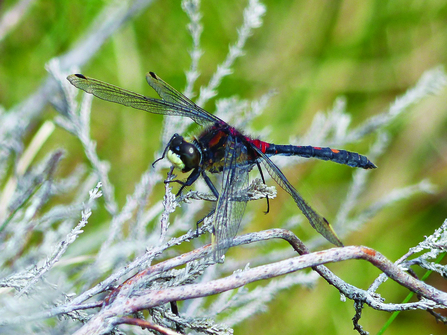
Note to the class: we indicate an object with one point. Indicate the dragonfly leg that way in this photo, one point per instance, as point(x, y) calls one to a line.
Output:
point(211, 213)
point(191, 179)
point(174, 310)
point(167, 181)
point(166, 149)
point(263, 180)
point(210, 184)
point(216, 194)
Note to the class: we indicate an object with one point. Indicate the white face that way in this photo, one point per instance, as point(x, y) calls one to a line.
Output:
point(175, 160)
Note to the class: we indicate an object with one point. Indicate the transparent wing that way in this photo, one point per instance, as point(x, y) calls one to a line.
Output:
point(170, 94)
point(231, 204)
point(319, 223)
point(172, 102)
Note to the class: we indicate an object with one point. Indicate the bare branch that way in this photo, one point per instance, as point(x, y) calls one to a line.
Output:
point(123, 302)
point(145, 324)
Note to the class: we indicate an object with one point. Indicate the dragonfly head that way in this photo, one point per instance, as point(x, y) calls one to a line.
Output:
point(183, 155)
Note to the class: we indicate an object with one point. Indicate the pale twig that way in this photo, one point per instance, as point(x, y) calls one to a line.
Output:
point(25, 160)
point(431, 82)
point(195, 28)
point(145, 324)
point(13, 16)
point(253, 14)
point(169, 205)
point(63, 245)
point(77, 121)
point(124, 304)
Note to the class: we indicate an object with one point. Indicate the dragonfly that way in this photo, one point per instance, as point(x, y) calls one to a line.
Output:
point(221, 148)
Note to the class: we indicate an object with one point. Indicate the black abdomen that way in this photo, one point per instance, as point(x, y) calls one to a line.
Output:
point(349, 158)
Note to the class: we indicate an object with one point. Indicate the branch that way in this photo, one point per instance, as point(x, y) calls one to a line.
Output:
point(145, 324)
point(126, 300)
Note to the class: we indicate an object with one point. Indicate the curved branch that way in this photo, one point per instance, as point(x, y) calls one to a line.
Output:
point(153, 298)
point(123, 301)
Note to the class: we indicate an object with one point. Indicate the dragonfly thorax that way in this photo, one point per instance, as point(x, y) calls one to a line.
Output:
point(183, 155)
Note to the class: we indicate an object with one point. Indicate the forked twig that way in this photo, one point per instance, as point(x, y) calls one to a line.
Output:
point(131, 297)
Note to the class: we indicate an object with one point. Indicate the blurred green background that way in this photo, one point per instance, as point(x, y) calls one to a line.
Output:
point(310, 52)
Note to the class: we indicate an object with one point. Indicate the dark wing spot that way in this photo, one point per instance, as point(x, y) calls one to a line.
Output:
point(153, 75)
point(80, 76)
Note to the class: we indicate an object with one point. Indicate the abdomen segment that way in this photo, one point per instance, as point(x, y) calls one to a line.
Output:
point(349, 158)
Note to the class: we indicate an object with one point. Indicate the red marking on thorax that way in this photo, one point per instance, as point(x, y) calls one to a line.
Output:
point(215, 140)
point(317, 148)
point(233, 131)
point(263, 146)
point(335, 151)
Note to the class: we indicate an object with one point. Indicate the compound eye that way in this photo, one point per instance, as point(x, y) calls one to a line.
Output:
point(190, 156)
point(183, 155)
point(176, 144)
